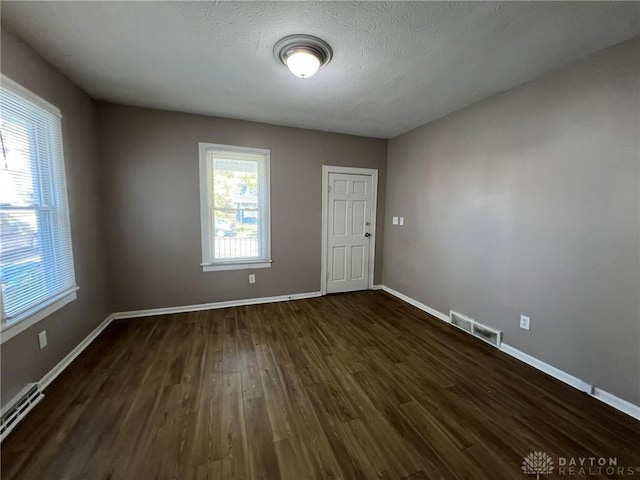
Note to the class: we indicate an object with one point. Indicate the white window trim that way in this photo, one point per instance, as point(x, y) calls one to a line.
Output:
point(216, 267)
point(205, 217)
point(29, 95)
point(39, 312)
point(35, 315)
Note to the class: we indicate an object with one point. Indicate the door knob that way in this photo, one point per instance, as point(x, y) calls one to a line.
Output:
point(367, 234)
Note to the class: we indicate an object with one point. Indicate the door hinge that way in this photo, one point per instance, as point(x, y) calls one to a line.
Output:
point(329, 189)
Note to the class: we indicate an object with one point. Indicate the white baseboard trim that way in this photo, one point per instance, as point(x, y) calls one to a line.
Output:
point(66, 361)
point(605, 397)
point(52, 374)
point(561, 375)
point(376, 287)
point(211, 306)
point(577, 383)
point(417, 304)
point(617, 403)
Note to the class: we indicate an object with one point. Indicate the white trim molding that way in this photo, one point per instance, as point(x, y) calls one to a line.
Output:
point(262, 156)
point(326, 170)
point(216, 267)
point(561, 375)
point(52, 374)
point(39, 313)
point(617, 403)
point(29, 95)
point(595, 392)
point(417, 304)
point(73, 354)
point(212, 306)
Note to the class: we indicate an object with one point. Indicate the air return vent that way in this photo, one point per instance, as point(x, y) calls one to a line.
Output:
point(469, 325)
point(461, 321)
point(487, 334)
point(16, 411)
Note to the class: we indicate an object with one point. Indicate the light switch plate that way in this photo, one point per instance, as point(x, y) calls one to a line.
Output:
point(252, 278)
point(395, 220)
point(42, 339)
point(525, 322)
point(401, 220)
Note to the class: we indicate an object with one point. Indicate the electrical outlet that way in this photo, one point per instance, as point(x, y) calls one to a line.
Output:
point(401, 221)
point(252, 278)
point(525, 322)
point(395, 220)
point(42, 339)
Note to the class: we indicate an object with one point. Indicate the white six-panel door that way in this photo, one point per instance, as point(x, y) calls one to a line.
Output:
point(348, 232)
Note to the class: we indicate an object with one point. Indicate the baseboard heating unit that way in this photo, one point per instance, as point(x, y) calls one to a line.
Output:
point(18, 408)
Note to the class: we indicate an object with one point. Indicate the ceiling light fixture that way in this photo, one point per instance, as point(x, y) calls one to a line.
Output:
point(304, 55)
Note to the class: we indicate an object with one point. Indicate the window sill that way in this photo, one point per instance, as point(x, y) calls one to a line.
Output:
point(30, 318)
point(216, 267)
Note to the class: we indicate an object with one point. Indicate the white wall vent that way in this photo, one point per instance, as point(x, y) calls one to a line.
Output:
point(461, 321)
point(469, 325)
point(488, 334)
point(17, 409)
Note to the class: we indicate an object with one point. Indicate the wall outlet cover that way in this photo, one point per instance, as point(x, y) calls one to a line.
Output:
point(42, 339)
point(252, 278)
point(401, 220)
point(525, 322)
point(395, 220)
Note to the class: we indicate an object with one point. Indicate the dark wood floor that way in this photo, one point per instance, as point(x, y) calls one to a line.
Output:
point(348, 386)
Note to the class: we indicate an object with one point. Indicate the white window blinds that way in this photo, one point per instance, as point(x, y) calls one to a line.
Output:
point(36, 259)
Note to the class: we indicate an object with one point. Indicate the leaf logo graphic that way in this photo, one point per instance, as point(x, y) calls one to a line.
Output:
point(537, 463)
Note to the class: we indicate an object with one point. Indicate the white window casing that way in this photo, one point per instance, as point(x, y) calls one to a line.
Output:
point(36, 255)
point(235, 219)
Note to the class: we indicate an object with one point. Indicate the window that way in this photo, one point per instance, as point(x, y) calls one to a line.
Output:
point(234, 207)
point(36, 261)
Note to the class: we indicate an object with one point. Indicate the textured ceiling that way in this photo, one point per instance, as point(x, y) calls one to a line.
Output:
point(396, 66)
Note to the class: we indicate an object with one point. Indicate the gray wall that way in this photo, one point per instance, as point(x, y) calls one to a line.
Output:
point(22, 360)
point(528, 203)
point(153, 205)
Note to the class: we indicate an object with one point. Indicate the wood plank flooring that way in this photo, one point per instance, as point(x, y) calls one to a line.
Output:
point(350, 386)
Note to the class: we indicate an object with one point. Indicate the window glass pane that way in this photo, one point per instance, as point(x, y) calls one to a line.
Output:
point(18, 180)
point(22, 266)
point(235, 212)
point(236, 234)
point(235, 183)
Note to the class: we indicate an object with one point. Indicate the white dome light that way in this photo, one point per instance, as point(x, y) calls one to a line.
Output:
point(303, 63)
point(304, 55)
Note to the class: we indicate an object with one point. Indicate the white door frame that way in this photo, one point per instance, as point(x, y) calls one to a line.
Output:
point(326, 170)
